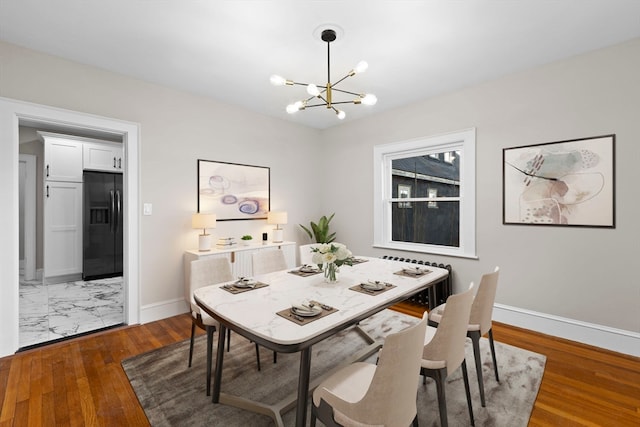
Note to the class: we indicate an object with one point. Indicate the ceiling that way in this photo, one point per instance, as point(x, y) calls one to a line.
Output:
point(227, 50)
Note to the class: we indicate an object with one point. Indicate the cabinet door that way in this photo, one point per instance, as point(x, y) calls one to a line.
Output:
point(62, 228)
point(63, 160)
point(103, 157)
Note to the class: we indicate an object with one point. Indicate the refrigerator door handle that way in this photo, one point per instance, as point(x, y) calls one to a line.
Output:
point(113, 210)
point(118, 210)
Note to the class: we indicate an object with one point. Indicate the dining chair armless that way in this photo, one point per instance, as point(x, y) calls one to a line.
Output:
point(444, 349)
point(479, 323)
point(267, 261)
point(306, 254)
point(375, 395)
point(204, 272)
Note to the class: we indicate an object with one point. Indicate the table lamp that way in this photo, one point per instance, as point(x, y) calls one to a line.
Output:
point(278, 218)
point(204, 221)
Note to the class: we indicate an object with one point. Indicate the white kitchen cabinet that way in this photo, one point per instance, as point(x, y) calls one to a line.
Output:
point(240, 257)
point(62, 228)
point(103, 156)
point(62, 158)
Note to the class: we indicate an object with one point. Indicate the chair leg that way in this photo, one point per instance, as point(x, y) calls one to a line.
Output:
point(493, 354)
point(440, 377)
point(475, 339)
point(275, 357)
point(193, 332)
point(465, 376)
point(228, 340)
point(415, 422)
point(210, 331)
point(258, 355)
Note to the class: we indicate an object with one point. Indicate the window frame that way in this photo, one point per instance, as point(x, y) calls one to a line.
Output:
point(383, 154)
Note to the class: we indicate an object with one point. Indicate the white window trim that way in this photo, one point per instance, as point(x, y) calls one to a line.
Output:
point(464, 140)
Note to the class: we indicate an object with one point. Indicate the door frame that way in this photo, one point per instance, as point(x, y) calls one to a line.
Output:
point(14, 113)
point(29, 220)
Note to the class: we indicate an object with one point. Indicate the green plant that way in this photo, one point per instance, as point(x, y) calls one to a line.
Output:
point(320, 231)
point(246, 237)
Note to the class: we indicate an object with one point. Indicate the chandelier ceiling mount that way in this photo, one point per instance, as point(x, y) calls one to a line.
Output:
point(322, 95)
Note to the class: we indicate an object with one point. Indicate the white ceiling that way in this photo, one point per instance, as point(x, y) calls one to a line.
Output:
point(227, 50)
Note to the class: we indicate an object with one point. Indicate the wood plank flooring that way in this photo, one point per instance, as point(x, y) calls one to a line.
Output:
point(81, 382)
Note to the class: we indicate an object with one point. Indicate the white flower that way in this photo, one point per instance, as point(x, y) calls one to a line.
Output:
point(326, 253)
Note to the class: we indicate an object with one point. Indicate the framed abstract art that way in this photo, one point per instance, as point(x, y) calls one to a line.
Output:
point(565, 183)
point(233, 191)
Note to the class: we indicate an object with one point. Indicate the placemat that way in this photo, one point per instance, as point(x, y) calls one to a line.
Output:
point(362, 290)
point(358, 261)
point(305, 273)
point(287, 314)
point(412, 274)
point(232, 289)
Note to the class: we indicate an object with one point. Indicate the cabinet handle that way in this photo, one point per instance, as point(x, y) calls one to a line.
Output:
point(120, 163)
point(47, 187)
point(47, 171)
point(114, 162)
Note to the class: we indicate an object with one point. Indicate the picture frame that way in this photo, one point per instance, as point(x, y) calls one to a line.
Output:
point(567, 183)
point(233, 191)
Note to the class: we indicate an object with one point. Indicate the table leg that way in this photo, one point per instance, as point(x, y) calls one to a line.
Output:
point(303, 387)
point(217, 378)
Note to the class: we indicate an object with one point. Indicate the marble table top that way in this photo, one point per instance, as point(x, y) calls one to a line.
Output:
point(255, 311)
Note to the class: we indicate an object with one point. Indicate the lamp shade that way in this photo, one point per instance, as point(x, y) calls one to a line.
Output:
point(203, 220)
point(277, 217)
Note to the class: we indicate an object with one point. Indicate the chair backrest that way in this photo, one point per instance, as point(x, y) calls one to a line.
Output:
point(306, 254)
point(482, 307)
point(267, 261)
point(391, 397)
point(449, 340)
point(204, 272)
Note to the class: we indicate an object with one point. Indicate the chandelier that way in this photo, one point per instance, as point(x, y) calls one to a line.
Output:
point(322, 95)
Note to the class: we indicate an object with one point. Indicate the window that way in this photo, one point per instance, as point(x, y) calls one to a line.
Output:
point(435, 178)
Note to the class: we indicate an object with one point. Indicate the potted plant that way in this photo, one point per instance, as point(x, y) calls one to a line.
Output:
point(320, 231)
point(246, 239)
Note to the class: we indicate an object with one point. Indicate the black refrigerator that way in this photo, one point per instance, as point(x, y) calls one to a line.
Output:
point(102, 219)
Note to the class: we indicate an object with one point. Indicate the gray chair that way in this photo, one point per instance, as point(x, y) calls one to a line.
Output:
point(204, 272)
point(444, 349)
point(267, 261)
point(479, 322)
point(364, 394)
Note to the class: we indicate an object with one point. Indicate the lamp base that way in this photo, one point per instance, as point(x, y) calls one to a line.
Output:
point(204, 242)
point(278, 235)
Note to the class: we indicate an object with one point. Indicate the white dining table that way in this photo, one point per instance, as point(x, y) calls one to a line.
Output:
point(253, 314)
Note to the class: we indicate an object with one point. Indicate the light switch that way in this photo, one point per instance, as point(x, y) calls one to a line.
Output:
point(147, 209)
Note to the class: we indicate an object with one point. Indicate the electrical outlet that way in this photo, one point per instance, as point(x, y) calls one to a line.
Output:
point(147, 209)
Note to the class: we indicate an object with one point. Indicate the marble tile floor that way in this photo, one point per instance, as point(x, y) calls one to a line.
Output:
point(54, 311)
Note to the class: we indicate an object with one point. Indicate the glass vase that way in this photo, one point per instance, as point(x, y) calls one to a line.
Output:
point(330, 273)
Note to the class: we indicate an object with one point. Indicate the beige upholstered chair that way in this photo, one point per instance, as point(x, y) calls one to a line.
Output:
point(479, 322)
point(204, 272)
point(444, 351)
point(306, 254)
point(268, 260)
point(365, 394)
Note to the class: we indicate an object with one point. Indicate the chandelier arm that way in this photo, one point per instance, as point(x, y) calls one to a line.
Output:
point(316, 105)
point(342, 102)
point(346, 91)
point(344, 78)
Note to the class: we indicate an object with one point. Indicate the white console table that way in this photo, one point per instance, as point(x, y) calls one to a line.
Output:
point(240, 257)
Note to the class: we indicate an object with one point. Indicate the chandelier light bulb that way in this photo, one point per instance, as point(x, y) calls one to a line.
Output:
point(278, 80)
point(293, 108)
point(361, 67)
point(341, 114)
point(313, 90)
point(369, 99)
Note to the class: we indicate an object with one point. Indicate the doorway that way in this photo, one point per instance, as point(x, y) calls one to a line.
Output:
point(14, 114)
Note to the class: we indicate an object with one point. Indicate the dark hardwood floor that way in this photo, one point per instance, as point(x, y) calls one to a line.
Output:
point(81, 382)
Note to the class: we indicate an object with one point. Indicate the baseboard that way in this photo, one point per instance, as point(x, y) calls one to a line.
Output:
point(613, 339)
point(162, 310)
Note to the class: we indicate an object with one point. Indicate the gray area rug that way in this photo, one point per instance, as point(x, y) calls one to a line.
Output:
point(174, 395)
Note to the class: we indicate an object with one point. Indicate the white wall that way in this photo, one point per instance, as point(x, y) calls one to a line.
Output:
point(574, 273)
point(585, 274)
point(177, 128)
